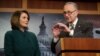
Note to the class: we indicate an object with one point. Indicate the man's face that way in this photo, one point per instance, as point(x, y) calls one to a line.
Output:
point(70, 13)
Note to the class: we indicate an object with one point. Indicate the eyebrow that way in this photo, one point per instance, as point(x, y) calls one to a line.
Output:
point(69, 11)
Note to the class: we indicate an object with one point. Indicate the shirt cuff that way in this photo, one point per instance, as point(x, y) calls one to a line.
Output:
point(55, 40)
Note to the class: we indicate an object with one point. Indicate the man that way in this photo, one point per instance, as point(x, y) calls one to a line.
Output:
point(74, 27)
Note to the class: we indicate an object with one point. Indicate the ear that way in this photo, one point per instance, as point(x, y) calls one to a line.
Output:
point(77, 11)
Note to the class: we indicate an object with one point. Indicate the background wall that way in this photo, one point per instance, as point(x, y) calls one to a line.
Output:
point(47, 6)
point(49, 19)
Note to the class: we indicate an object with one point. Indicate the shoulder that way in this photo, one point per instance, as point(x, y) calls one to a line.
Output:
point(8, 32)
point(8, 35)
point(31, 33)
point(84, 22)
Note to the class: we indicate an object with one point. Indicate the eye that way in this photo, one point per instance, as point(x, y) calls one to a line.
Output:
point(24, 17)
point(64, 12)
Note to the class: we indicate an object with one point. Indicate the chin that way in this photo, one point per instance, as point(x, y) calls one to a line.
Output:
point(68, 21)
point(25, 26)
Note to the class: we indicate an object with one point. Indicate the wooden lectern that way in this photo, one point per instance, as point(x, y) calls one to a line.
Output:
point(78, 47)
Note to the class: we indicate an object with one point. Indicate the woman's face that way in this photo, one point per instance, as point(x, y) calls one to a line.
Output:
point(23, 20)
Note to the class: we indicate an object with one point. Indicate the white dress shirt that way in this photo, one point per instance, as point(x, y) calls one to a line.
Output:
point(71, 33)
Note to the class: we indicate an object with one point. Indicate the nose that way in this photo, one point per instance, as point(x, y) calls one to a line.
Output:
point(66, 15)
point(26, 20)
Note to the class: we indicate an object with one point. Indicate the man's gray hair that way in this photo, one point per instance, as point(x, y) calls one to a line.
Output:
point(73, 3)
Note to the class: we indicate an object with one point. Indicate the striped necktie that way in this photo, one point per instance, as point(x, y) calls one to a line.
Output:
point(71, 26)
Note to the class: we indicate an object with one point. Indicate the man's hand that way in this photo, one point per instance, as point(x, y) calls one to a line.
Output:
point(58, 28)
point(56, 31)
point(63, 27)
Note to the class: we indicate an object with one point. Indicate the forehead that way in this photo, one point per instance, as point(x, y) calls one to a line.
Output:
point(69, 7)
point(23, 14)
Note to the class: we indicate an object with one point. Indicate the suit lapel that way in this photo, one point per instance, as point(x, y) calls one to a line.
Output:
point(77, 27)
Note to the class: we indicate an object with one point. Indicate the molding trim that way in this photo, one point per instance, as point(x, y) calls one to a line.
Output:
point(46, 10)
point(98, 6)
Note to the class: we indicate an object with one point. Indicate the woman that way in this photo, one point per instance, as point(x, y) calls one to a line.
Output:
point(19, 41)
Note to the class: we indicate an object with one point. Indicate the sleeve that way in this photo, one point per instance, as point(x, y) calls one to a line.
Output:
point(53, 44)
point(8, 45)
point(37, 50)
point(89, 30)
point(55, 39)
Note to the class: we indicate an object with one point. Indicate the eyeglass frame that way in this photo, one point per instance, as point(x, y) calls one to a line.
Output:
point(69, 12)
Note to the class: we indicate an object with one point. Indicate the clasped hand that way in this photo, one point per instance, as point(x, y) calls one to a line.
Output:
point(57, 28)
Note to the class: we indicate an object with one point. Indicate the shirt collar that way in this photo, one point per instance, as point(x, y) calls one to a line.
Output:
point(75, 22)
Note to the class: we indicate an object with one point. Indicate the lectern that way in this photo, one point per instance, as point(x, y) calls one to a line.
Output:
point(78, 47)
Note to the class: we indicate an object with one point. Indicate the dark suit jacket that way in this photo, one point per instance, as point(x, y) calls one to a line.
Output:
point(82, 29)
point(18, 43)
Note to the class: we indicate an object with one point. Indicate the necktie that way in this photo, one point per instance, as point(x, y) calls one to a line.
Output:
point(71, 26)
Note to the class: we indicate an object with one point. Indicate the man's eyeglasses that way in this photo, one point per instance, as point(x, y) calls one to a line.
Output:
point(68, 12)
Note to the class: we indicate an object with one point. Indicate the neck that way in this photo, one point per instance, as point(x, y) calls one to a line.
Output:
point(73, 21)
point(70, 22)
point(22, 29)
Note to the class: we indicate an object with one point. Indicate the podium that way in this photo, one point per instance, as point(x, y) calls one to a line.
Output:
point(78, 47)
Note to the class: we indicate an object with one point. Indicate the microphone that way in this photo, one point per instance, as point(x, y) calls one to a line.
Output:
point(97, 31)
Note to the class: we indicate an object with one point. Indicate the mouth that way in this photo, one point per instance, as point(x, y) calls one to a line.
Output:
point(67, 18)
point(26, 23)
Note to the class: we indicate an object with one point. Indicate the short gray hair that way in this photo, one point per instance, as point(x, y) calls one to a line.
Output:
point(73, 3)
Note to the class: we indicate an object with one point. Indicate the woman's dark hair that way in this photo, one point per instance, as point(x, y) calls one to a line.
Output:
point(15, 19)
